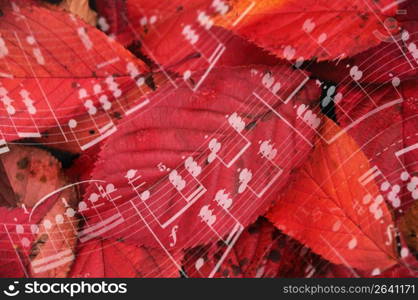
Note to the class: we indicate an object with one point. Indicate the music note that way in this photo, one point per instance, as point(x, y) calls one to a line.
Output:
point(207, 215)
point(199, 263)
point(245, 177)
point(177, 180)
point(192, 167)
point(269, 82)
point(223, 199)
point(309, 27)
point(356, 73)
point(374, 203)
point(132, 179)
point(308, 116)
point(84, 37)
point(195, 188)
point(260, 180)
point(37, 53)
point(412, 186)
point(391, 26)
point(328, 98)
point(229, 150)
point(214, 147)
point(161, 167)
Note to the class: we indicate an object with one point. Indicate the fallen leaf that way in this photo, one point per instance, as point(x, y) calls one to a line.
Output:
point(332, 212)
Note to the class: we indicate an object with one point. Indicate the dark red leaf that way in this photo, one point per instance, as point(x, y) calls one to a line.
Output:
point(182, 132)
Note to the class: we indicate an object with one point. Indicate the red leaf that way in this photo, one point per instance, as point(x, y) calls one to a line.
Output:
point(159, 28)
point(54, 72)
point(310, 29)
point(343, 220)
point(106, 258)
point(184, 127)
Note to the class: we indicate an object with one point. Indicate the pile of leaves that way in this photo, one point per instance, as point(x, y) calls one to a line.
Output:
point(208, 138)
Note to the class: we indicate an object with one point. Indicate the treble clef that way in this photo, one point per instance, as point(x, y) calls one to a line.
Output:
point(173, 235)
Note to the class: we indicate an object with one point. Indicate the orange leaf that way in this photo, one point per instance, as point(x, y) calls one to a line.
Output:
point(306, 29)
point(329, 210)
